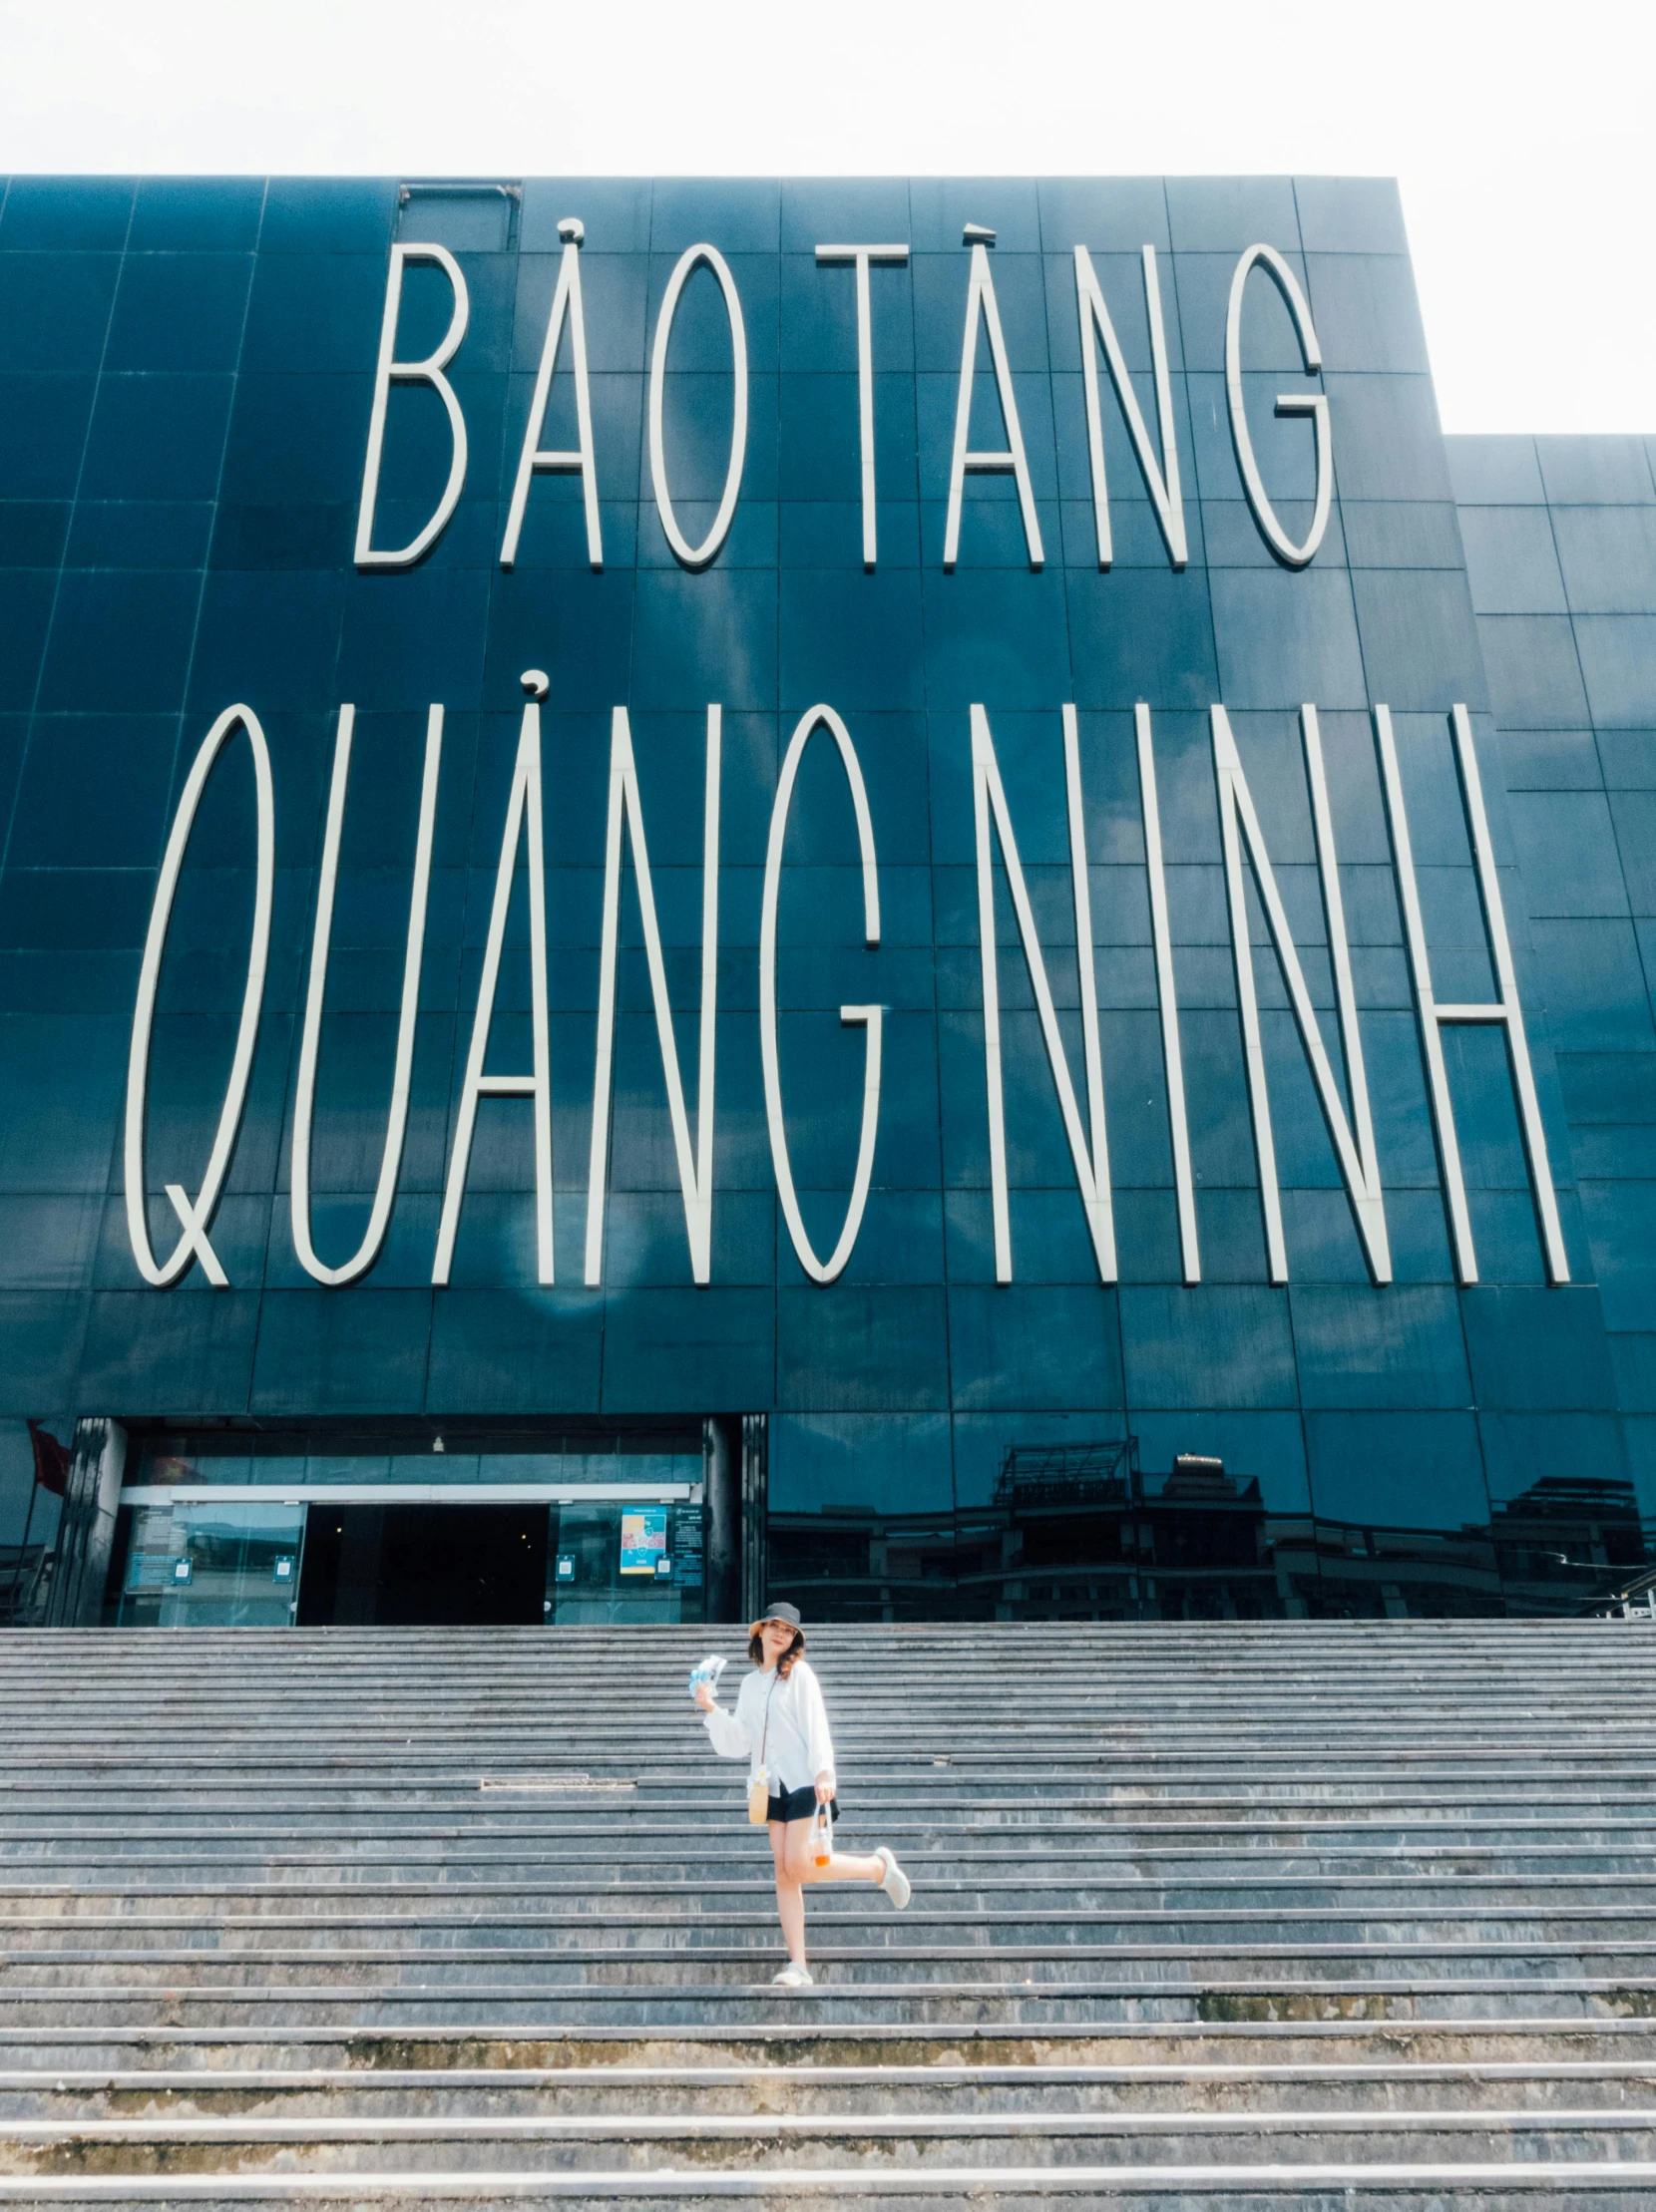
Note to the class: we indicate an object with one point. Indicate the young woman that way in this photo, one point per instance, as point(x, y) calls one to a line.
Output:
point(781, 1724)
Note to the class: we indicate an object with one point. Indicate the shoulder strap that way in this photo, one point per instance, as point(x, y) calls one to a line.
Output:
point(765, 1733)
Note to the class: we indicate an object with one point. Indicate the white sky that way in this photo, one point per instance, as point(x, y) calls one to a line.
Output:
point(1523, 135)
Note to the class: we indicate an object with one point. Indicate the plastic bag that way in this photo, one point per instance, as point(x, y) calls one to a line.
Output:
point(822, 1837)
point(708, 1671)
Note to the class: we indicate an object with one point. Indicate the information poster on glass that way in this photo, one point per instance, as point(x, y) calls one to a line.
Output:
point(643, 1540)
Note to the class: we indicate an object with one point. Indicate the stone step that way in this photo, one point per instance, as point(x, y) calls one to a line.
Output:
point(663, 1728)
point(665, 2090)
point(652, 1965)
point(986, 1852)
point(489, 1791)
point(1586, 2185)
point(1090, 1744)
point(819, 2141)
point(367, 2052)
point(1449, 1780)
point(28, 1908)
point(1208, 1643)
point(1202, 1643)
point(354, 1874)
point(519, 1685)
point(967, 1839)
point(1384, 1707)
point(602, 1916)
point(848, 1910)
point(957, 1697)
point(664, 1723)
point(997, 1868)
point(638, 1973)
point(234, 1671)
point(499, 1817)
point(834, 1938)
point(871, 1705)
point(876, 1937)
point(711, 2006)
point(557, 1690)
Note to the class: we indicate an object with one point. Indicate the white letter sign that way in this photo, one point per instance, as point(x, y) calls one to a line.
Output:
point(1359, 1165)
point(1011, 459)
point(1161, 937)
point(304, 1105)
point(523, 819)
point(862, 257)
point(1091, 1156)
point(695, 1171)
point(197, 1213)
point(429, 371)
point(867, 1017)
point(1435, 1017)
point(566, 303)
point(698, 557)
point(1314, 404)
point(1163, 489)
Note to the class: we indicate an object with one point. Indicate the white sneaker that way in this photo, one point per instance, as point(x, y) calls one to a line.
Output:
point(895, 1884)
point(793, 1978)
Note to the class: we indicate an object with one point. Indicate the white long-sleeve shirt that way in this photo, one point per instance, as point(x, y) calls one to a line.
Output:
point(795, 1739)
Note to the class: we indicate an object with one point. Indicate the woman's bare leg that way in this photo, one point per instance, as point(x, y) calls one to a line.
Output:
point(790, 1901)
point(795, 1858)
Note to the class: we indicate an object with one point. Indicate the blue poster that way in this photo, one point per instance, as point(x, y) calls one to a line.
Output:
point(643, 1539)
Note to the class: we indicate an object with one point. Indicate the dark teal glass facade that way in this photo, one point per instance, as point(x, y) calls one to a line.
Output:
point(185, 382)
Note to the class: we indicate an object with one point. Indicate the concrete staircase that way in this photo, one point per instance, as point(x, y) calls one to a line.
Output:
point(1210, 1917)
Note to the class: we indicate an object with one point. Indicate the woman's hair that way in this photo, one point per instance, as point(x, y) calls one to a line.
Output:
point(784, 1665)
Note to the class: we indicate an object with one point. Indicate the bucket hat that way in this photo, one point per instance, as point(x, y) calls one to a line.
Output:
point(782, 1611)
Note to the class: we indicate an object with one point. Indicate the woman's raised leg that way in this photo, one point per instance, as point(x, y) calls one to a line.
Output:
point(844, 1866)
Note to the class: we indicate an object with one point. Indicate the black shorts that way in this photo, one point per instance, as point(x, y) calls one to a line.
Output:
point(797, 1804)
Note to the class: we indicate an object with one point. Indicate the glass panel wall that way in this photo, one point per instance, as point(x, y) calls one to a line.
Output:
point(613, 1560)
point(212, 1566)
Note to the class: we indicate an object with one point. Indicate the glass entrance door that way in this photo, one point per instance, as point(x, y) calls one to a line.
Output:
point(417, 1564)
point(206, 1565)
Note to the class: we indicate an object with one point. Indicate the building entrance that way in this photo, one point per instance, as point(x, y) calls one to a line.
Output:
point(402, 1525)
point(424, 1566)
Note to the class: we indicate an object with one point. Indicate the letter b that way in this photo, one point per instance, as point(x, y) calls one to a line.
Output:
point(389, 371)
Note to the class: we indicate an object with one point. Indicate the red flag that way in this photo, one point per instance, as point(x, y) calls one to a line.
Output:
point(51, 1460)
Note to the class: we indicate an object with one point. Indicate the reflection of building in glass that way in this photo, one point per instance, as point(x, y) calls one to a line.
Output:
point(1366, 1573)
point(1080, 1532)
point(845, 1564)
point(1564, 1538)
point(1073, 1532)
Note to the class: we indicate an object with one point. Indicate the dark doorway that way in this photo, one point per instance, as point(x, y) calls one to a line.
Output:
point(424, 1566)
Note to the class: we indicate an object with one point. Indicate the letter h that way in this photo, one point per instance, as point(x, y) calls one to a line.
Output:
point(1435, 1017)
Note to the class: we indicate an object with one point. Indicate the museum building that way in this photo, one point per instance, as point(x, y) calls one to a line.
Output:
point(895, 894)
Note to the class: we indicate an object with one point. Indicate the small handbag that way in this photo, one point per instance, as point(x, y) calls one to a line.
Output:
point(758, 1790)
